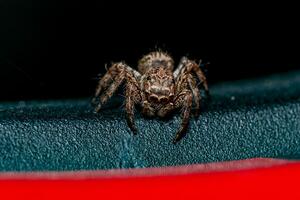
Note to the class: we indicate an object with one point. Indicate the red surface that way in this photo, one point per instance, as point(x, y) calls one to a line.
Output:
point(277, 182)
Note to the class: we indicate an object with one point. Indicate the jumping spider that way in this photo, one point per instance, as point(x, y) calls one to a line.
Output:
point(155, 87)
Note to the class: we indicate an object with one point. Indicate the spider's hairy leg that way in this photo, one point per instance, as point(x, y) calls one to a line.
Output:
point(110, 91)
point(106, 80)
point(115, 76)
point(200, 75)
point(132, 97)
point(185, 101)
point(187, 66)
point(196, 93)
point(179, 70)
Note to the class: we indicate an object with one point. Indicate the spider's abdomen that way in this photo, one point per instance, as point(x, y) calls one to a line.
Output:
point(155, 59)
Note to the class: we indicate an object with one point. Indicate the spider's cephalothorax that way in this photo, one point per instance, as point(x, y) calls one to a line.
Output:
point(156, 87)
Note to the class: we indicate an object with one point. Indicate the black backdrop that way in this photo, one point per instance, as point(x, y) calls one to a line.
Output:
point(55, 49)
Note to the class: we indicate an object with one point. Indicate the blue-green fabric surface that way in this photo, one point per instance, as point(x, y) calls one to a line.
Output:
point(244, 119)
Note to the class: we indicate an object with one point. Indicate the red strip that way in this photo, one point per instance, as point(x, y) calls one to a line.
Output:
point(277, 182)
point(147, 172)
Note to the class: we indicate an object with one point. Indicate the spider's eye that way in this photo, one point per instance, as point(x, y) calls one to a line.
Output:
point(153, 99)
point(148, 78)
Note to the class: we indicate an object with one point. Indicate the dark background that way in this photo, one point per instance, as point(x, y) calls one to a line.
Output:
point(55, 49)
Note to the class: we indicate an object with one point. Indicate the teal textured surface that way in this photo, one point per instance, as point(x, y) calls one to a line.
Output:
point(244, 119)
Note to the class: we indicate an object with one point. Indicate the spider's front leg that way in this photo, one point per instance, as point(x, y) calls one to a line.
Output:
point(196, 93)
point(184, 100)
point(132, 97)
point(187, 66)
point(109, 83)
point(116, 71)
point(115, 75)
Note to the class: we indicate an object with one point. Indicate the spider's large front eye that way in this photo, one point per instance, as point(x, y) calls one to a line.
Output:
point(163, 100)
point(153, 99)
point(148, 78)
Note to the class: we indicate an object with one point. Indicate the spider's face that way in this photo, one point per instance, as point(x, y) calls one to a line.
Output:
point(159, 85)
